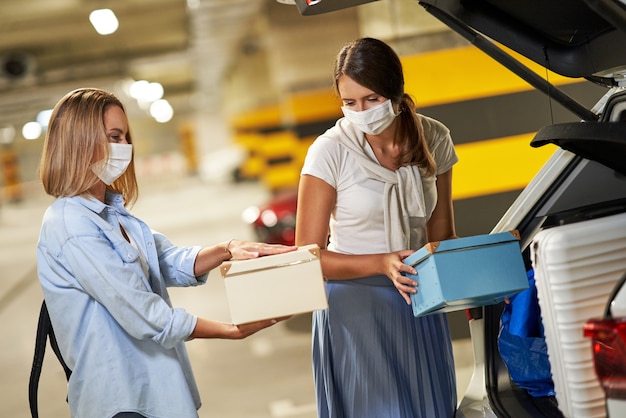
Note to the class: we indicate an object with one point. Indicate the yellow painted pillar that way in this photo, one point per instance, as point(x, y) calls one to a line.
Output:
point(11, 173)
point(188, 147)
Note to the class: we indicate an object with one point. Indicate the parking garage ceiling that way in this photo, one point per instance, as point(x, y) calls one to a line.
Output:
point(49, 47)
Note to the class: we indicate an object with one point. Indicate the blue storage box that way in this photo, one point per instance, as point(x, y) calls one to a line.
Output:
point(467, 272)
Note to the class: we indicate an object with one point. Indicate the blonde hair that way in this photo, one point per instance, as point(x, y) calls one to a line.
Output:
point(75, 137)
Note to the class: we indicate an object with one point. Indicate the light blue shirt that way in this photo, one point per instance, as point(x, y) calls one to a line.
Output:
point(110, 310)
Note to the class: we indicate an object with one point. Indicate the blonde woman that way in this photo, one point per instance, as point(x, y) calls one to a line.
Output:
point(105, 273)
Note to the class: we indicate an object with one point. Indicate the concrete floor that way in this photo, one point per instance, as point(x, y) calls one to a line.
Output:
point(265, 376)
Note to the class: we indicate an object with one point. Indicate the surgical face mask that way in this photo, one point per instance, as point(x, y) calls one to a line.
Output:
point(373, 120)
point(119, 158)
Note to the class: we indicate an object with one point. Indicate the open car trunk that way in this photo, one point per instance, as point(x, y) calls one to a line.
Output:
point(585, 178)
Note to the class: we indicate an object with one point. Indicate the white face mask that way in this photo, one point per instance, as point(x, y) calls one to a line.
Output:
point(119, 158)
point(373, 120)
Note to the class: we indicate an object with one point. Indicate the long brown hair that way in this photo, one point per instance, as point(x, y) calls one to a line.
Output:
point(375, 65)
point(75, 137)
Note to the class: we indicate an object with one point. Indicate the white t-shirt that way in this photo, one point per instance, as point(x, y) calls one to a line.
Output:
point(357, 222)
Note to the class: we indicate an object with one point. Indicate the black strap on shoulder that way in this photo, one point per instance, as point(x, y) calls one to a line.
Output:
point(44, 332)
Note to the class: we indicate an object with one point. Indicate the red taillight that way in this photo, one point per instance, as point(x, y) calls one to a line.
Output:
point(609, 354)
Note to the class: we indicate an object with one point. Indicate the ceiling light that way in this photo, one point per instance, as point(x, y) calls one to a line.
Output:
point(104, 21)
point(31, 130)
point(161, 111)
point(43, 117)
point(145, 92)
point(153, 92)
point(137, 89)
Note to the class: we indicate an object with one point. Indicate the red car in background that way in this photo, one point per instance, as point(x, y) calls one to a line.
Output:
point(274, 222)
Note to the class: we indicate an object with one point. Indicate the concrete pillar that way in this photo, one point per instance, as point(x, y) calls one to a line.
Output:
point(212, 66)
point(302, 48)
point(249, 84)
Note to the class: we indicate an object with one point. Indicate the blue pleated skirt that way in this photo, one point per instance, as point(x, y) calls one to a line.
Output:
point(373, 359)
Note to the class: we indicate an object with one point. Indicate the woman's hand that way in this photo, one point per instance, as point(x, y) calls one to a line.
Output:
point(238, 332)
point(211, 257)
point(208, 328)
point(242, 250)
point(394, 267)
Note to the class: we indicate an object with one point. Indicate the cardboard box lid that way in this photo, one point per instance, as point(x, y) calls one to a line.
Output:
point(303, 254)
point(275, 286)
point(460, 244)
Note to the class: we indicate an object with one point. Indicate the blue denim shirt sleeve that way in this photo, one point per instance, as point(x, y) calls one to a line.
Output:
point(177, 263)
point(112, 276)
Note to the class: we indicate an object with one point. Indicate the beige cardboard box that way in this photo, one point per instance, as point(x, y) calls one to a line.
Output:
point(274, 286)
